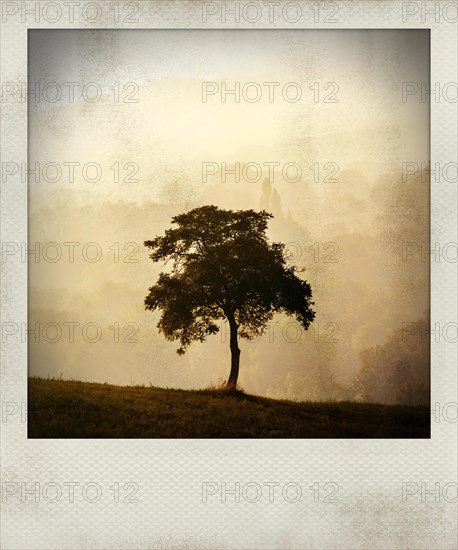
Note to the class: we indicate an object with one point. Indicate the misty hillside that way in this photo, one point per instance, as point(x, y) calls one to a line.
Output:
point(362, 288)
point(72, 409)
point(331, 172)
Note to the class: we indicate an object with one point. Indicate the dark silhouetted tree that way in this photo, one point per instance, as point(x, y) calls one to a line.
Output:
point(223, 267)
point(398, 371)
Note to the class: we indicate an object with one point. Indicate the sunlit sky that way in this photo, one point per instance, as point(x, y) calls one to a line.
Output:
point(171, 130)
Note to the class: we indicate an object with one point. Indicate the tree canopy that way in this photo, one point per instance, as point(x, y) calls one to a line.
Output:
point(223, 267)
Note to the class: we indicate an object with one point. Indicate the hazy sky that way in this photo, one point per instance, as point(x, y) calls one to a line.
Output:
point(171, 130)
point(367, 133)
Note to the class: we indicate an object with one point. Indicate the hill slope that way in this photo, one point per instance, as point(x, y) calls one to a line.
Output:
point(71, 409)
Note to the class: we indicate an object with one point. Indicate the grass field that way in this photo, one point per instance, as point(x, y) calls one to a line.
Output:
point(71, 409)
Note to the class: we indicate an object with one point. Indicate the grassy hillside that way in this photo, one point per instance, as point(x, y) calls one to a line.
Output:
point(59, 408)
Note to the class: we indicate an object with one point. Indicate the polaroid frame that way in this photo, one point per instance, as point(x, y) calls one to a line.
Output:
point(138, 494)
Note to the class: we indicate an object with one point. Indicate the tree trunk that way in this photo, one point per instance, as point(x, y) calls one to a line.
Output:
point(235, 353)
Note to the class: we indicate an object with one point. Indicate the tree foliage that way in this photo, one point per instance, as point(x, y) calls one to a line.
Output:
point(397, 372)
point(223, 267)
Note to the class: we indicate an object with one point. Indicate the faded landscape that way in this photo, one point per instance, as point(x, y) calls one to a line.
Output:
point(352, 222)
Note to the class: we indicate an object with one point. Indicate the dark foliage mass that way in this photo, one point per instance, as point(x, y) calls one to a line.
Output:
point(223, 267)
point(398, 371)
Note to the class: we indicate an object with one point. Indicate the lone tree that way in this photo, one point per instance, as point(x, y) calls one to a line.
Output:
point(223, 268)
